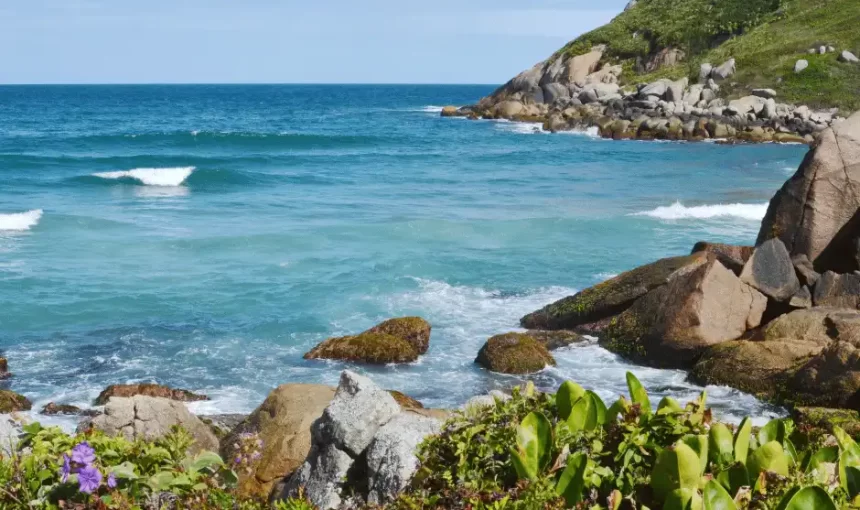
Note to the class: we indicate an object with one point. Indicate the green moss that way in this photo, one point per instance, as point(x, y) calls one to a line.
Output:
point(11, 402)
point(405, 401)
point(624, 335)
point(514, 353)
point(376, 348)
point(825, 418)
point(414, 330)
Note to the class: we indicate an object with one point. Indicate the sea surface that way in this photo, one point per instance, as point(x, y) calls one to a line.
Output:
point(206, 237)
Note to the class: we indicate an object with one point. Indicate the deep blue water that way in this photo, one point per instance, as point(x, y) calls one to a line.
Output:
point(314, 211)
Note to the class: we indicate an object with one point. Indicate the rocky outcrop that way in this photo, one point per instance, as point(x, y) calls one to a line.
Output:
point(150, 418)
point(732, 256)
point(812, 208)
point(700, 306)
point(831, 379)
point(147, 390)
point(54, 409)
point(11, 402)
point(514, 353)
point(399, 340)
point(608, 298)
point(840, 290)
point(362, 444)
point(770, 271)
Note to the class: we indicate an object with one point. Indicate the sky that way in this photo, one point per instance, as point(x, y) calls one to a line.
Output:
point(286, 41)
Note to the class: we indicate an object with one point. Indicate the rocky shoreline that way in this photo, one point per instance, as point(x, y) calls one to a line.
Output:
point(575, 93)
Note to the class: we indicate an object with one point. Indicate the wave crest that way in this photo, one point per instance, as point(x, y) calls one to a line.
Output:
point(20, 221)
point(679, 211)
point(151, 176)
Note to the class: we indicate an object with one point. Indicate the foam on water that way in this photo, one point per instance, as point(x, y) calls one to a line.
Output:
point(151, 176)
point(432, 109)
point(590, 132)
point(678, 211)
point(20, 221)
point(523, 128)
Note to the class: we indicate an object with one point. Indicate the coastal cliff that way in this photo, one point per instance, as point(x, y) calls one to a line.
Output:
point(758, 71)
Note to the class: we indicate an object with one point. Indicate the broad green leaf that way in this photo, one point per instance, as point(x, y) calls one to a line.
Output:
point(716, 497)
point(620, 407)
point(638, 394)
point(790, 452)
point(124, 471)
point(181, 480)
point(769, 457)
point(676, 468)
point(720, 444)
point(849, 456)
point(161, 481)
point(572, 481)
point(669, 405)
point(828, 454)
point(534, 441)
point(615, 499)
point(774, 430)
point(699, 444)
point(599, 406)
point(206, 460)
point(808, 498)
point(231, 479)
point(852, 480)
point(734, 478)
point(568, 393)
point(842, 437)
point(584, 415)
point(683, 499)
point(742, 440)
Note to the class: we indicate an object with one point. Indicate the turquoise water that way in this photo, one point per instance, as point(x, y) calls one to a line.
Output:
point(206, 237)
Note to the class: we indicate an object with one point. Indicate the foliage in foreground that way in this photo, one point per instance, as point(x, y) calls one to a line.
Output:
point(542, 451)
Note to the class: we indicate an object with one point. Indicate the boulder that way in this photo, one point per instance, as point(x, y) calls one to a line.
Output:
point(722, 72)
point(675, 90)
point(557, 339)
point(816, 326)
point(821, 198)
point(4, 369)
point(391, 457)
point(478, 402)
point(150, 418)
point(607, 298)
point(771, 271)
point(414, 330)
point(514, 353)
point(11, 402)
point(831, 379)
point(746, 105)
point(764, 93)
point(694, 94)
point(805, 272)
point(399, 340)
point(54, 409)
point(847, 56)
point(825, 418)
point(657, 88)
point(800, 65)
point(322, 476)
point(580, 66)
point(705, 72)
point(552, 92)
point(732, 256)
point(509, 109)
point(700, 306)
point(801, 299)
point(450, 111)
point(148, 390)
point(283, 423)
point(839, 290)
point(222, 424)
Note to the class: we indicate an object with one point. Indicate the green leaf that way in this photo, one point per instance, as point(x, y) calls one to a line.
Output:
point(790, 452)
point(734, 478)
point(568, 393)
point(161, 481)
point(808, 498)
point(638, 394)
point(826, 455)
point(773, 431)
point(206, 460)
point(683, 499)
point(669, 405)
point(720, 444)
point(699, 444)
point(716, 497)
point(534, 441)
point(849, 456)
point(844, 440)
point(852, 480)
point(231, 479)
point(742, 441)
point(676, 468)
point(769, 457)
point(584, 415)
point(572, 481)
point(620, 407)
point(599, 405)
point(125, 471)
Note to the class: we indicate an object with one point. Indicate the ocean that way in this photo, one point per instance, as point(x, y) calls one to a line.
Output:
point(207, 236)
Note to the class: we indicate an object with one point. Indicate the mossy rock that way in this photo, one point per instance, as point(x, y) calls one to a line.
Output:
point(374, 348)
point(608, 298)
point(825, 418)
point(553, 340)
point(405, 401)
point(11, 402)
point(514, 353)
point(414, 330)
point(148, 390)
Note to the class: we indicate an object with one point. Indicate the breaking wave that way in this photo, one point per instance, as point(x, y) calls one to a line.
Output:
point(151, 176)
point(679, 211)
point(20, 221)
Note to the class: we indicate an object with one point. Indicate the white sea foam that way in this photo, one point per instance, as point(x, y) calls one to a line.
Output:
point(432, 109)
point(591, 132)
point(20, 221)
point(679, 211)
point(523, 128)
point(152, 176)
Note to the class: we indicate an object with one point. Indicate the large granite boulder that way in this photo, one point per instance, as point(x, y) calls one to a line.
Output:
point(283, 423)
point(148, 390)
point(817, 326)
point(391, 459)
point(608, 298)
point(806, 273)
point(701, 306)
point(771, 272)
point(11, 402)
point(815, 204)
point(831, 379)
point(150, 418)
point(732, 256)
point(514, 353)
point(839, 290)
point(399, 340)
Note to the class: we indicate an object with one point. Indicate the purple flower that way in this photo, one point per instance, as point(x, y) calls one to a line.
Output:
point(83, 454)
point(111, 481)
point(90, 478)
point(66, 470)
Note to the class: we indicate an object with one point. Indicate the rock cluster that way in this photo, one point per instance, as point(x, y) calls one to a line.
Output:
point(781, 319)
point(399, 340)
point(583, 91)
point(146, 389)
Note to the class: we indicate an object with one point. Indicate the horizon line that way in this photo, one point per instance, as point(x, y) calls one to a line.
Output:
point(79, 84)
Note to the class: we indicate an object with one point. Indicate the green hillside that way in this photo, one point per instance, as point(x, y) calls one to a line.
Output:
point(766, 37)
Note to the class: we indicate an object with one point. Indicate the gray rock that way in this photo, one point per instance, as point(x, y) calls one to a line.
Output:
point(771, 272)
point(800, 65)
point(805, 272)
point(693, 94)
point(631, 4)
point(588, 96)
point(675, 90)
point(356, 412)
point(801, 299)
point(391, 459)
point(769, 111)
point(554, 91)
point(747, 104)
point(847, 56)
point(223, 423)
point(658, 88)
point(764, 93)
point(705, 72)
point(837, 290)
point(822, 50)
point(724, 71)
point(151, 418)
point(10, 433)
point(323, 476)
point(802, 112)
point(480, 401)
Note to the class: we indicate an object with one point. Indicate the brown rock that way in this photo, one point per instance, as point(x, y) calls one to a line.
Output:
point(817, 326)
point(831, 379)
point(11, 402)
point(771, 272)
point(414, 330)
point(450, 111)
point(149, 390)
point(52, 409)
point(405, 401)
point(514, 353)
point(805, 272)
point(701, 306)
point(837, 290)
point(732, 256)
point(608, 298)
point(553, 340)
point(4, 369)
point(821, 198)
point(399, 340)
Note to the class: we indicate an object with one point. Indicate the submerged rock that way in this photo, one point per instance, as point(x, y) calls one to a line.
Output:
point(514, 353)
point(399, 340)
point(148, 390)
point(11, 402)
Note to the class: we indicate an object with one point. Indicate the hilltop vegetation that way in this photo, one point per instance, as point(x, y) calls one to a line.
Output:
point(766, 37)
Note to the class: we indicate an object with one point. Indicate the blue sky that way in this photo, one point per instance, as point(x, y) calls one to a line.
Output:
point(285, 41)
